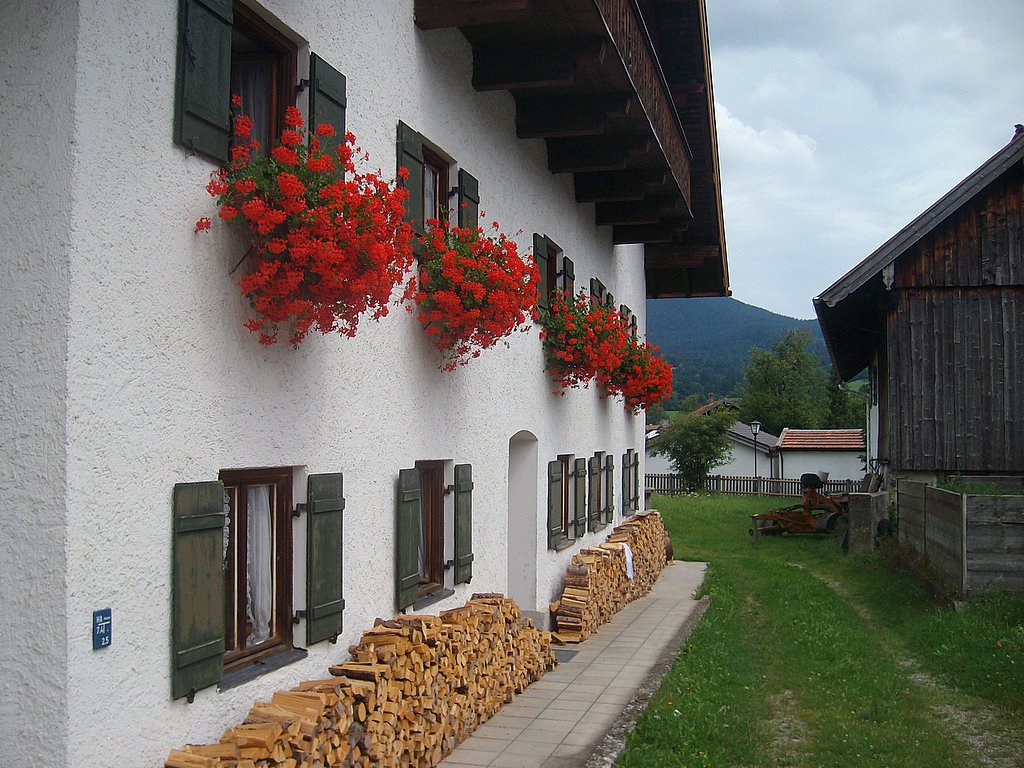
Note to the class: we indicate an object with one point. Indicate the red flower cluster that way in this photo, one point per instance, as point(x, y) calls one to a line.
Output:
point(643, 378)
point(587, 341)
point(474, 290)
point(583, 340)
point(328, 244)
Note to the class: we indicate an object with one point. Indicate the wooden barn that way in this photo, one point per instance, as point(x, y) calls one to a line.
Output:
point(936, 314)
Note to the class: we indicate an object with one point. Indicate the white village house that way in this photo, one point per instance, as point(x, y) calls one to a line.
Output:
point(137, 410)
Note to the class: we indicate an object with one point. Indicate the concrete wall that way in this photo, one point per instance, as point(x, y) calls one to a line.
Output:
point(37, 229)
point(137, 373)
point(866, 510)
point(840, 465)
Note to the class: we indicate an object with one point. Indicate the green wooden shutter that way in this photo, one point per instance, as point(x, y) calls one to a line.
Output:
point(554, 504)
point(202, 117)
point(327, 101)
point(636, 481)
point(469, 200)
point(407, 538)
point(463, 523)
point(609, 489)
point(325, 505)
point(197, 587)
point(627, 484)
point(410, 157)
point(568, 275)
point(540, 258)
point(594, 493)
point(595, 288)
point(580, 498)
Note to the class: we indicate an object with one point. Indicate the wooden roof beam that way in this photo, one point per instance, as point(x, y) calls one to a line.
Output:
point(608, 187)
point(647, 211)
point(441, 14)
point(663, 232)
point(678, 255)
point(548, 117)
point(513, 67)
point(601, 153)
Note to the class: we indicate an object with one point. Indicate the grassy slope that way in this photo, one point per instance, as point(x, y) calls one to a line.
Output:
point(808, 657)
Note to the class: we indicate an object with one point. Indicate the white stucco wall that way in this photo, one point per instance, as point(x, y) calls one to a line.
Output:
point(840, 465)
point(131, 370)
point(741, 462)
point(37, 133)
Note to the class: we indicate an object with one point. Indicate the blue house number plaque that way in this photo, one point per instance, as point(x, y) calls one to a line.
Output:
point(100, 629)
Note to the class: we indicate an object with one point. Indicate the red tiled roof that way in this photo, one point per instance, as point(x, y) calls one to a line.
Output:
point(822, 439)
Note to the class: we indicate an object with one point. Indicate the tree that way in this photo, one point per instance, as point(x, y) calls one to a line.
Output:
point(695, 444)
point(845, 409)
point(785, 387)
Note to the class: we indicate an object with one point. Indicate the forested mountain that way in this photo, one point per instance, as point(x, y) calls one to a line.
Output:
point(709, 340)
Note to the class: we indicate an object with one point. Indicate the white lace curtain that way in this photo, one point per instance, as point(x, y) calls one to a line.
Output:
point(259, 563)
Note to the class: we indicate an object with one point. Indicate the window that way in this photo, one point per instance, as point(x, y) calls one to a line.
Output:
point(430, 555)
point(557, 273)
point(232, 578)
point(568, 531)
point(225, 47)
point(567, 520)
point(595, 500)
point(609, 488)
point(262, 73)
point(428, 526)
point(257, 562)
point(429, 183)
point(628, 318)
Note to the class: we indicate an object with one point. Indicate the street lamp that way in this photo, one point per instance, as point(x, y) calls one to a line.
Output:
point(755, 427)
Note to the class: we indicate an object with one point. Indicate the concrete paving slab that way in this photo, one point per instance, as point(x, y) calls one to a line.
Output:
point(578, 715)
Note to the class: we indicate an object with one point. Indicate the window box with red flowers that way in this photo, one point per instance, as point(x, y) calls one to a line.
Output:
point(326, 248)
point(474, 290)
point(584, 341)
point(643, 378)
point(588, 341)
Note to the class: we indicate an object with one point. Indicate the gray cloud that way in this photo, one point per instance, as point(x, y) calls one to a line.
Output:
point(839, 123)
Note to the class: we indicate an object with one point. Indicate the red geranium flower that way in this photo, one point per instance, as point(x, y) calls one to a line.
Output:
point(326, 248)
point(474, 290)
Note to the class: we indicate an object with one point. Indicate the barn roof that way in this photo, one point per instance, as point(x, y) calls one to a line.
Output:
point(821, 440)
point(851, 311)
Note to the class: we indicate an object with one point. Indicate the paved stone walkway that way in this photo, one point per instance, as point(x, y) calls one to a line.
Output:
point(578, 714)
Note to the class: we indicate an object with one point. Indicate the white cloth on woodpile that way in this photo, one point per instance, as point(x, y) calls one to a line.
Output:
point(629, 560)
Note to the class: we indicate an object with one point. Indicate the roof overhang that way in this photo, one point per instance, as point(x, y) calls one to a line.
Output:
point(620, 91)
point(852, 311)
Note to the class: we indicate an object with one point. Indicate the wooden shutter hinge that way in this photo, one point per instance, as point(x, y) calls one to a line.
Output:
point(449, 489)
point(299, 615)
point(300, 508)
point(302, 85)
point(191, 695)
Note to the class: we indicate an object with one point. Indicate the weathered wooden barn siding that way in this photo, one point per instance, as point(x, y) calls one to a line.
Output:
point(995, 543)
point(955, 341)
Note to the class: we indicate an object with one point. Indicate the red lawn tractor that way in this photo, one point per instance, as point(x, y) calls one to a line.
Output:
point(817, 513)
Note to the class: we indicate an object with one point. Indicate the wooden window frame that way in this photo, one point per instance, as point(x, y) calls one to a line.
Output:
point(567, 496)
point(236, 653)
point(281, 55)
point(441, 168)
point(432, 524)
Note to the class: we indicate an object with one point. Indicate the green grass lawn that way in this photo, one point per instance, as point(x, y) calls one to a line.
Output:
point(811, 657)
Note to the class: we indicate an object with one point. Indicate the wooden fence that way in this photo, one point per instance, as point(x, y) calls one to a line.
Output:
point(746, 486)
point(972, 542)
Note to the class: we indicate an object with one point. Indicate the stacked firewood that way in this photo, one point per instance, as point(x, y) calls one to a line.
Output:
point(597, 584)
point(414, 688)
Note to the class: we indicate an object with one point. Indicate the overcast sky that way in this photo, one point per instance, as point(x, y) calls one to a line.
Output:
point(839, 122)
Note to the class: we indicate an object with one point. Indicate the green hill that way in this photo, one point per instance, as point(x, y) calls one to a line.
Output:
point(709, 340)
